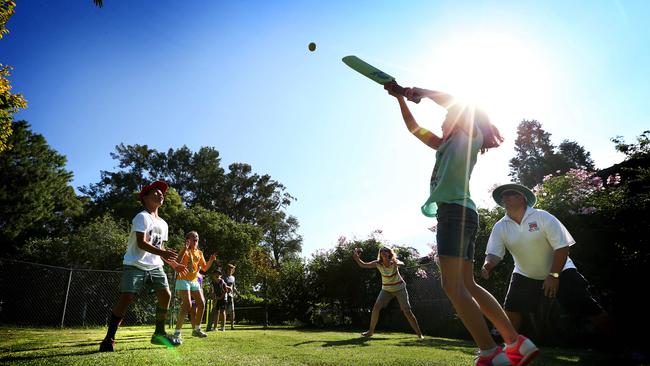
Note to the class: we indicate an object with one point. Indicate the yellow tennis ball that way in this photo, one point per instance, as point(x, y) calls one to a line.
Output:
point(312, 46)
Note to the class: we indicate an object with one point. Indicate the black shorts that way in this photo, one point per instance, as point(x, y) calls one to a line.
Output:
point(526, 294)
point(457, 230)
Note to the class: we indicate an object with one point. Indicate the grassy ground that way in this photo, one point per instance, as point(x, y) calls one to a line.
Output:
point(252, 346)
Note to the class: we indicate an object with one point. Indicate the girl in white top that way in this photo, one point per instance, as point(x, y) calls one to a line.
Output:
point(392, 285)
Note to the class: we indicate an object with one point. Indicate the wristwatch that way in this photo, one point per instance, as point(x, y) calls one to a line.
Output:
point(554, 274)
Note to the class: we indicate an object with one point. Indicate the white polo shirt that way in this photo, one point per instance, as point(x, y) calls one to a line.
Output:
point(155, 230)
point(532, 243)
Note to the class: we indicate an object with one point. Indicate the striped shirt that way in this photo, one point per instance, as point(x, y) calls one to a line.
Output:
point(391, 280)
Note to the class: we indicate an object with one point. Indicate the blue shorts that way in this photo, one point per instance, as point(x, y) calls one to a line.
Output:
point(185, 285)
point(134, 279)
point(457, 231)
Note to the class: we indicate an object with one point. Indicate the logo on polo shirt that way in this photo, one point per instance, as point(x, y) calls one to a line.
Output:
point(532, 226)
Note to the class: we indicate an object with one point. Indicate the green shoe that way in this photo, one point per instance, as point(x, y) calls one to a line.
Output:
point(166, 340)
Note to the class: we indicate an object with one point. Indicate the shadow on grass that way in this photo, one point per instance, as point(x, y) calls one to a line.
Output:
point(27, 348)
point(457, 345)
point(64, 353)
point(8, 360)
point(359, 341)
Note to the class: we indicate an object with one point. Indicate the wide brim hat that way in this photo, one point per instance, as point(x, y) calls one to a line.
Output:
point(523, 190)
point(159, 184)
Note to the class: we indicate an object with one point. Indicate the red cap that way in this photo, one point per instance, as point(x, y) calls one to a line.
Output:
point(159, 184)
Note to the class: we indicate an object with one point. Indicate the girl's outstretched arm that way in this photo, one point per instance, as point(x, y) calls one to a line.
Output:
point(362, 264)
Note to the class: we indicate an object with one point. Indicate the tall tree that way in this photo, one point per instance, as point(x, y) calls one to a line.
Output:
point(575, 156)
point(282, 237)
point(537, 157)
point(36, 198)
point(199, 179)
point(115, 190)
point(533, 151)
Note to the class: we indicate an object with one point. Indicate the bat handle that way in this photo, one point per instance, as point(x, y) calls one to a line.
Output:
point(400, 90)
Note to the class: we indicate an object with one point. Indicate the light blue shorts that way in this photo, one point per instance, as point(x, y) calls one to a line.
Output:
point(185, 285)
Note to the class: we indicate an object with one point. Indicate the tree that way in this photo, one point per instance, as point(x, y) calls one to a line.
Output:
point(634, 151)
point(233, 242)
point(536, 157)
point(9, 103)
point(6, 11)
point(282, 237)
point(344, 288)
point(99, 244)
point(199, 179)
point(116, 191)
point(533, 152)
point(574, 156)
point(250, 197)
point(288, 291)
point(36, 198)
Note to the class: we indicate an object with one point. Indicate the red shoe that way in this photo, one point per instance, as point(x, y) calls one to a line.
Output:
point(497, 358)
point(523, 352)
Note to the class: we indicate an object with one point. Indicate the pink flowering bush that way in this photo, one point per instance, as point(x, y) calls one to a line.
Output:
point(421, 273)
point(577, 192)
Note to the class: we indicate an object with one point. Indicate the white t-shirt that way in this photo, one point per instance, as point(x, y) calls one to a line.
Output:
point(155, 232)
point(532, 243)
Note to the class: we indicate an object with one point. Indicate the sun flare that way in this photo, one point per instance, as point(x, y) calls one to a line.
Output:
point(508, 77)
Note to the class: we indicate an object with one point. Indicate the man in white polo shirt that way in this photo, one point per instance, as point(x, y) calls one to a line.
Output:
point(539, 245)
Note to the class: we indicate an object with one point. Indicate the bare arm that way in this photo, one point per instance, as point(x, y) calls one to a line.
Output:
point(552, 284)
point(491, 261)
point(167, 255)
point(362, 264)
point(427, 137)
point(443, 99)
point(148, 247)
point(207, 266)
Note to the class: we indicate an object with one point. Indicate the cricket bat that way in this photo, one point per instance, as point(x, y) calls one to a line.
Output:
point(375, 74)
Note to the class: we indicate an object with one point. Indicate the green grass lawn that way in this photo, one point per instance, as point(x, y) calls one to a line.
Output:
point(252, 346)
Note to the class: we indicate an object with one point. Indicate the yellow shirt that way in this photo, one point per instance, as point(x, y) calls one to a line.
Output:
point(193, 260)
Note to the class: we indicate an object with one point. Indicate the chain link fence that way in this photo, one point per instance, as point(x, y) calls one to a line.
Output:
point(42, 295)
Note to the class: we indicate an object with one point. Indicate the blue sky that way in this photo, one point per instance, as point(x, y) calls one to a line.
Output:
point(238, 76)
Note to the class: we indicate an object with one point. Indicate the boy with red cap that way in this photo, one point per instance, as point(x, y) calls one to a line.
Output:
point(143, 266)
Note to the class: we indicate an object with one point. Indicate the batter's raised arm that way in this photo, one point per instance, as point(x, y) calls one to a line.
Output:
point(424, 135)
point(443, 99)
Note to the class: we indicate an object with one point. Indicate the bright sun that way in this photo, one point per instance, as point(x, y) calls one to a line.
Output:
point(508, 77)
